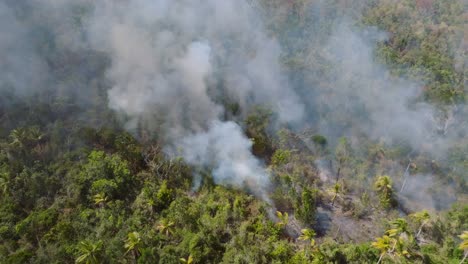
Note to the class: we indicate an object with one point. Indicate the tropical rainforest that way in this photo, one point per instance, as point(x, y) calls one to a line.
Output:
point(233, 131)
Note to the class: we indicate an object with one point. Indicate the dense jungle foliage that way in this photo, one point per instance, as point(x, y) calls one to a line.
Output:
point(77, 187)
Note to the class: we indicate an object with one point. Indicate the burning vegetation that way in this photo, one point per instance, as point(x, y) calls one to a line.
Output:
point(234, 131)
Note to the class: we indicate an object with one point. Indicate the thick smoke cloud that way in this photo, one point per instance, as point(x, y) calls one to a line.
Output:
point(420, 193)
point(350, 93)
point(369, 98)
point(20, 66)
point(171, 63)
point(230, 158)
point(174, 58)
point(168, 57)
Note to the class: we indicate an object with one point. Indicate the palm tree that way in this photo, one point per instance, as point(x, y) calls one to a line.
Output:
point(133, 243)
point(308, 235)
point(283, 219)
point(384, 244)
point(422, 218)
point(165, 227)
point(100, 199)
point(464, 245)
point(399, 227)
point(188, 260)
point(400, 233)
point(151, 204)
point(17, 137)
point(23, 136)
point(34, 134)
point(336, 190)
point(23, 139)
point(394, 240)
point(89, 252)
point(383, 185)
point(18, 141)
point(4, 184)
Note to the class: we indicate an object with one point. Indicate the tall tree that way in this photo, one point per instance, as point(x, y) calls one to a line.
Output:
point(383, 186)
point(132, 244)
point(89, 252)
point(384, 245)
point(422, 218)
point(308, 235)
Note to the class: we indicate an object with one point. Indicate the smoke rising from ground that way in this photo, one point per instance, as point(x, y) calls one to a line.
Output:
point(367, 96)
point(171, 62)
point(231, 159)
point(421, 189)
point(167, 57)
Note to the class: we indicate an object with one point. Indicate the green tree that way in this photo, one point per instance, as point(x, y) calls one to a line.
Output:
point(283, 219)
point(342, 154)
point(399, 227)
point(422, 218)
point(165, 227)
point(384, 245)
point(319, 140)
point(335, 191)
point(257, 123)
point(280, 157)
point(25, 137)
point(23, 142)
point(100, 199)
point(188, 260)
point(132, 244)
point(395, 241)
point(89, 252)
point(104, 174)
point(4, 181)
point(305, 206)
point(308, 235)
point(383, 186)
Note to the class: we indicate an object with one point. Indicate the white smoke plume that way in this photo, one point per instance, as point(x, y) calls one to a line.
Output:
point(231, 158)
point(171, 58)
point(351, 93)
point(380, 104)
point(421, 192)
point(170, 62)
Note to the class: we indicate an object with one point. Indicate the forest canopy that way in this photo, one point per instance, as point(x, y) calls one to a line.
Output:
point(234, 131)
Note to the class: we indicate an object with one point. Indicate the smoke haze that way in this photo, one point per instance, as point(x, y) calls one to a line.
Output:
point(170, 62)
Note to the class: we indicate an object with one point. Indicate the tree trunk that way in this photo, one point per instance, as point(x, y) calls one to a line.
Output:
point(405, 175)
point(380, 258)
point(338, 173)
point(394, 245)
point(464, 257)
point(135, 256)
point(420, 229)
